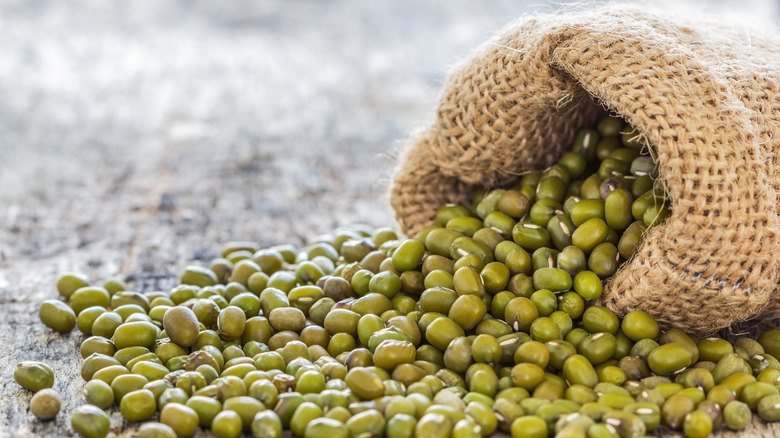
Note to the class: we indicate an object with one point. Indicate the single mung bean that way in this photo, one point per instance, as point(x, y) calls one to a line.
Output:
point(45, 404)
point(70, 282)
point(155, 430)
point(90, 421)
point(57, 315)
point(737, 415)
point(33, 375)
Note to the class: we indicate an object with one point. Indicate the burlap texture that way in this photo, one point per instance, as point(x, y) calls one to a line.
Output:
point(705, 94)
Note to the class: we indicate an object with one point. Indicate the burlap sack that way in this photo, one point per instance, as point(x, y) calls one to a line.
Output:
point(704, 93)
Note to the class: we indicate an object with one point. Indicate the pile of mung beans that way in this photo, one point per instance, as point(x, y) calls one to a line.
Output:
point(479, 324)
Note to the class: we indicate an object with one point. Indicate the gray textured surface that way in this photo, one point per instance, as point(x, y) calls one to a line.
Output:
point(137, 137)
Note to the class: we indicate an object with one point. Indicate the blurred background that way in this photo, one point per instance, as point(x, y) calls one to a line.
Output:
point(137, 137)
point(237, 113)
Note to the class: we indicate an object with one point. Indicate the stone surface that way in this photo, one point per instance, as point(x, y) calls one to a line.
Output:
point(137, 137)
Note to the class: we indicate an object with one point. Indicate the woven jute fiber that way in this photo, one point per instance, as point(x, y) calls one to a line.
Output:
point(706, 96)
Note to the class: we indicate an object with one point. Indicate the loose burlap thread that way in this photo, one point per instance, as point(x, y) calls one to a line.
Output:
point(706, 95)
